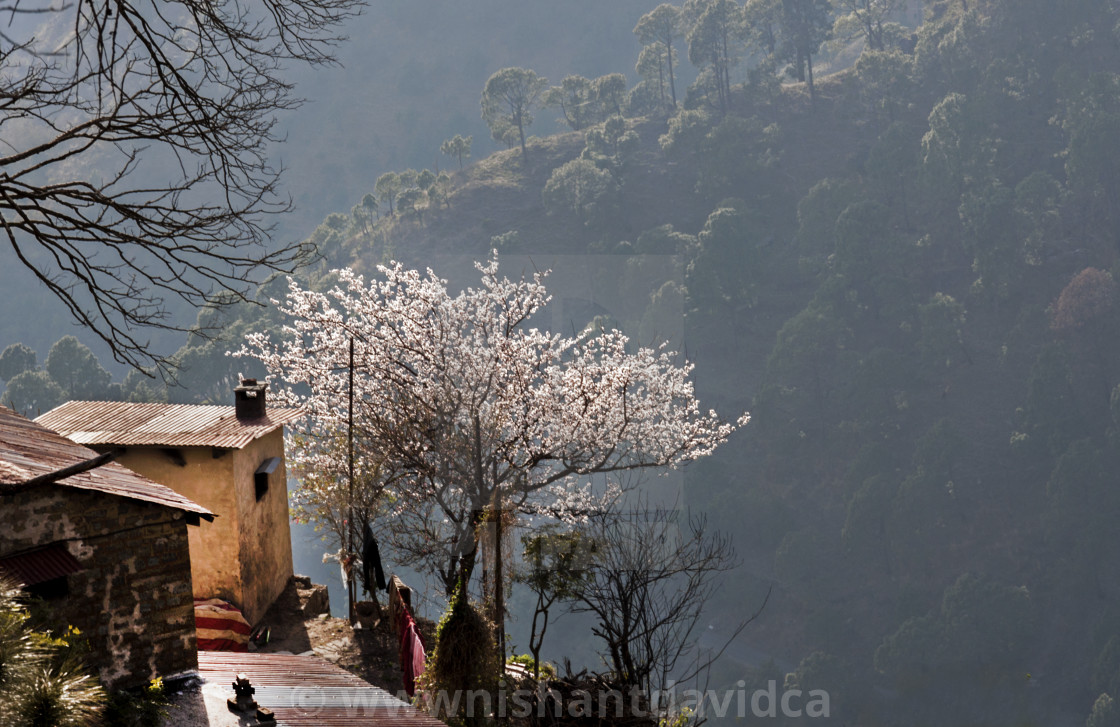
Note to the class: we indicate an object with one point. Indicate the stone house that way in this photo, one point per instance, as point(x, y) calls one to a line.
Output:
point(229, 459)
point(105, 548)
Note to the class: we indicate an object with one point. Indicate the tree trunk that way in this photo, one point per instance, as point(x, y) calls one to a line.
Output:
point(725, 72)
point(499, 578)
point(661, 83)
point(672, 85)
point(869, 27)
point(809, 65)
point(536, 640)
point(462, 566)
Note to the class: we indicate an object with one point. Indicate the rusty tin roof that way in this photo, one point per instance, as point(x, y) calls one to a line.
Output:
point(161, 425)
point(40, 565)
point(308, 690)
point(29, 449)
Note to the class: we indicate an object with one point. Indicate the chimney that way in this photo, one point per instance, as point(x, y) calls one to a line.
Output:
point(249, 399)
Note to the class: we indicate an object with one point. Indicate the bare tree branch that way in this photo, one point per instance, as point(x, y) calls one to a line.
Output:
point(133, 162)
point(654, 569)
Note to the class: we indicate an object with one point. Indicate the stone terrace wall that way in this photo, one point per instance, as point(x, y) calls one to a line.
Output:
point(133, 599)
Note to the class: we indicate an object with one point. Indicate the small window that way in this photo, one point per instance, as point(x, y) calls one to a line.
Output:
point(260, 477)
point(51, 590)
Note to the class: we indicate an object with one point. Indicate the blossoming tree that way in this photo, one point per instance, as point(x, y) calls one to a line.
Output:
point(472, 409)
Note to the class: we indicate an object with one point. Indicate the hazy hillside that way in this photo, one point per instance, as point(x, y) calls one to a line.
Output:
point(906, 273)
point(409, 76)
point(907, 280)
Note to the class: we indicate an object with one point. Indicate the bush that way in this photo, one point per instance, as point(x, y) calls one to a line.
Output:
point(463, 660)
point(547, 670)
point(43, 681)
point(143, 708)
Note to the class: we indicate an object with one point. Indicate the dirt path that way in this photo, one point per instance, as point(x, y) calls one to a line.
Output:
point(298, 629)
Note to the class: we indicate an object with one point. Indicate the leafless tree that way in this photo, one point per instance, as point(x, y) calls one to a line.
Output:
point(654, 569)
point(133, 150)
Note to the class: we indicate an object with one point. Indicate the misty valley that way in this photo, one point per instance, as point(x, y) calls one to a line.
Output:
point(789, 327)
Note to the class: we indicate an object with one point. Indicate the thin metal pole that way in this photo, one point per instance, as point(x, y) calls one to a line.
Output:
point(350, 502)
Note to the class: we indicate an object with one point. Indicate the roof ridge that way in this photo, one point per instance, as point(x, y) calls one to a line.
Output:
point(162, 424)
point(36, 449)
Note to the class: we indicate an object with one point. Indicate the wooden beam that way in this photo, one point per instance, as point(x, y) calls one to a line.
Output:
point(52, 477)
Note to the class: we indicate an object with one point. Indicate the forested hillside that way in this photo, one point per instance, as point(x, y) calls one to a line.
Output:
point(904, 267)
point(906, 276)
point(407, 77)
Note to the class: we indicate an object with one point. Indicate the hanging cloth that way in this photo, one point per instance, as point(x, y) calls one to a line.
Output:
point(411, 651)
point(345, 565)
point(372, 572)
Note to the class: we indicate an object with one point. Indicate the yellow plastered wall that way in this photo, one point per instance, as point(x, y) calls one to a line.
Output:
point(265, 538)
point(245, 555)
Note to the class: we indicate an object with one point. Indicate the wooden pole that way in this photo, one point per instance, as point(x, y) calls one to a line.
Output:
point(499, 589)
point(350, 502)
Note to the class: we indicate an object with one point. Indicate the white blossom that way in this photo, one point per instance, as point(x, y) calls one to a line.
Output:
point(468, 404)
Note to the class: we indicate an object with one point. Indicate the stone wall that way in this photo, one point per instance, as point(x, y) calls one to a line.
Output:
point(133, 598)
point(197, 474)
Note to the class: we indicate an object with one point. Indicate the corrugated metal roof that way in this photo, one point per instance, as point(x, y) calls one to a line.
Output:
point(307, 690)
point(162, 425)
point(32, 449)
point(11, 475)
point(40, 565)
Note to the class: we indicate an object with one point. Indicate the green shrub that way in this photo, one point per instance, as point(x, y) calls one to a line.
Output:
point(463, 660)
point(43, 679)
point(143, 708)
